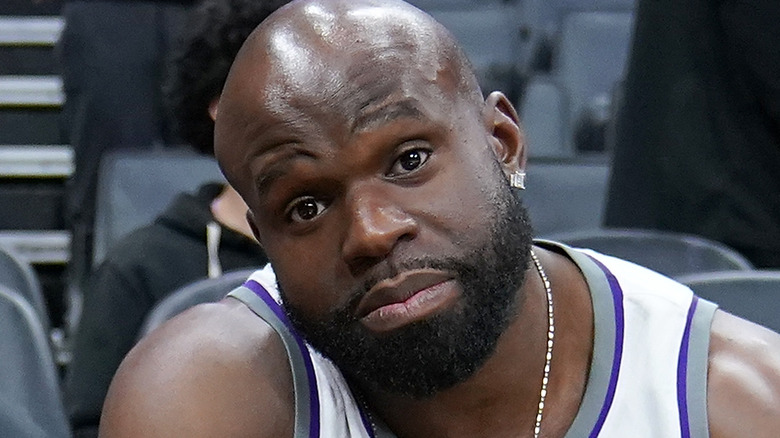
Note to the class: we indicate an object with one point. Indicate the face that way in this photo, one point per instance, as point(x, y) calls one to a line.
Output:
point(378, 192)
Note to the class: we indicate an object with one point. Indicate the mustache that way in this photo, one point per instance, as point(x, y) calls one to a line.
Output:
point(388, 270)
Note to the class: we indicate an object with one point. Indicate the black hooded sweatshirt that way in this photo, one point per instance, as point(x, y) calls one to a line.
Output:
point(139, 271)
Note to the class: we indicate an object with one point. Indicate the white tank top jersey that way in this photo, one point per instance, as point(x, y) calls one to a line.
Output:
point(647, 378)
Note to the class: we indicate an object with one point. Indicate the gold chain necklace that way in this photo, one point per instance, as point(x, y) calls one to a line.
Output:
point(550, 341)
point(547, 357)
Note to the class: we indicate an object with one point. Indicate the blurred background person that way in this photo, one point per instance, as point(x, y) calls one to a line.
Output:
point(151, 262)
point(697, 144)
point(112, 55)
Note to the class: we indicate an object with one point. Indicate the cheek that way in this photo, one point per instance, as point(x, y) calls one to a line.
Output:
point(462, 201)
point(306, 273)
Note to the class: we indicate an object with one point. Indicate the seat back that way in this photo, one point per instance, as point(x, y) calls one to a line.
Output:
point(490, 36)
point(28, 375)
point(201, 291)
point(672, 254)
point(542, 20)
point(591, 59)
point(134, 186)
point(565, 195)
point(18, 274)
point(753, 295)
point(543, 114)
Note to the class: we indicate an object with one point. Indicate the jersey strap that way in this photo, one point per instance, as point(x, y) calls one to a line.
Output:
point(307, 404)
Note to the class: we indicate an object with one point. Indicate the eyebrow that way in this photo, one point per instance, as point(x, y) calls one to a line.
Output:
point(396, 110)
point(275, 170)
point(264, 182)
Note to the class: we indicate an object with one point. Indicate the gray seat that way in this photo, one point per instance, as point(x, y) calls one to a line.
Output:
point(591, 59)
point(135, 186)
point(753, 295)
point(565, 195)
point(490, 36)
point(672, 254)
point(28, 375)
point(543, 113)
point(588, 64)
point(18, 274)
point(202, 291)
point(541, 23)
point(438, 5)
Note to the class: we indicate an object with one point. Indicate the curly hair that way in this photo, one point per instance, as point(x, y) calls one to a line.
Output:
point(199, 63)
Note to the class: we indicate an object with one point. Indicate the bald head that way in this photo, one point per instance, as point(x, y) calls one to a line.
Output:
point(339, 56)
point(357, 135)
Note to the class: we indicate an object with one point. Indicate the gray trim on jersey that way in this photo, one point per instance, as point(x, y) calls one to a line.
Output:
point(297, 364)
point(604, 330)
point(698, 360)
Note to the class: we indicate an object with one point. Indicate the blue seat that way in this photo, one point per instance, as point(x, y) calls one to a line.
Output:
point(753, 295)
point(28, 376)
point(202, 291)
point(671, 254)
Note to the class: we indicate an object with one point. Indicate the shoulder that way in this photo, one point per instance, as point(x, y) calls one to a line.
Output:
point(215, 370)
point(743, 379)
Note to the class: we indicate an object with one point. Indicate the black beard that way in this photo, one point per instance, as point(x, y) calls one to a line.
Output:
point(429, 356)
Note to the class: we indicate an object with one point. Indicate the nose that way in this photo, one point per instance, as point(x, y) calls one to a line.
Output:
point(375, 226)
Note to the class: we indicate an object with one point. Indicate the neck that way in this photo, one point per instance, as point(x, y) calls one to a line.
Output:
point(501, 398)
point(229, 209)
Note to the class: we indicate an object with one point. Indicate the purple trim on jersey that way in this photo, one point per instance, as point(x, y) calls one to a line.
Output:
point(617, 299)
point(682, 372)
point(366, 422)
point(314, 400)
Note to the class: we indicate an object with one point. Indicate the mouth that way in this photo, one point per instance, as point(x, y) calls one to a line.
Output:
point(407, 298)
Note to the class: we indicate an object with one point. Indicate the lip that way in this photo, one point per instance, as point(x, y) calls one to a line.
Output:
point(406, 298)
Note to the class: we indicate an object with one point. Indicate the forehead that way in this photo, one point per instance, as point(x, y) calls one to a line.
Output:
point(347, 64)
point(335, 69)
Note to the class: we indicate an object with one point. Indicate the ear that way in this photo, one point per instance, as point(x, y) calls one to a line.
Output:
point(506, 136)
point(250, 219)
point(214, 108)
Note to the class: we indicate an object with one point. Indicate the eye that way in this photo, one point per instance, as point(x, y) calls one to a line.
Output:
point(409, 161)
point(305, 209)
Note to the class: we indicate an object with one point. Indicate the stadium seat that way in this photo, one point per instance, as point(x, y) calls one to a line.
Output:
point(565, 195)
point(490, 36)
point(591, 59)
point(134, 186)
point(28, 375)
point(671, 254)
point(753, 295)
point(541, 23)
point(201, 291)
point(17, 274)
point(438, 5)
point(543, 114)
point(587, 65)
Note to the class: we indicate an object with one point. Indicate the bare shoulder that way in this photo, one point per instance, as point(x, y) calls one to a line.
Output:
point(215, 370)
point(744, 379)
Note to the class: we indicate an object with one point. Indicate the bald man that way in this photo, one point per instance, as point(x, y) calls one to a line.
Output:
point(407, 296)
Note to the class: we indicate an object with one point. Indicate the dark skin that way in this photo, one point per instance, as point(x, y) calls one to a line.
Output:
point(334, 193)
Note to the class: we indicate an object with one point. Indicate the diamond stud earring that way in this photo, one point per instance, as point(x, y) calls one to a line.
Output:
point(517, 180)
